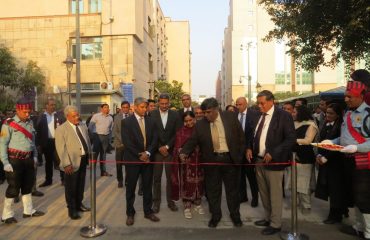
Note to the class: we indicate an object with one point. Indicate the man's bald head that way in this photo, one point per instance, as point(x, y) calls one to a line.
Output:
point(241, 104)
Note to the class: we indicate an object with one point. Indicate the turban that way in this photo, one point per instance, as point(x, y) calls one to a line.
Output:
point(23, 104)
point(355, 88)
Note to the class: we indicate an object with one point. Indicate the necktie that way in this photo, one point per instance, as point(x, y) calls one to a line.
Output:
point(82, 139)
point(242, 120)
point(142, 128)
point(215, 137)
point(257, 137)
point(125, 115)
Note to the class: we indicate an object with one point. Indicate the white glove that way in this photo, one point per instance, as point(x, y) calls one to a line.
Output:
point(327, 141)
point(8, 168)
point(349, 149)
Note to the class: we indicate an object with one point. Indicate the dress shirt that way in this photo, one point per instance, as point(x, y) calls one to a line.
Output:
point(244, 117)
point(264, 131)
point(50, 118)
point(221, 134)
point(74, 129)
point(138, 121)
point(164, 117)
point(101, 124)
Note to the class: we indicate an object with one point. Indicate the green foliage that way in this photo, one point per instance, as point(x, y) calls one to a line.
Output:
point(7, 102)
point(314, 28)
point(174, 90)
point(8, 69)
point(30, 77)
point(285, 95)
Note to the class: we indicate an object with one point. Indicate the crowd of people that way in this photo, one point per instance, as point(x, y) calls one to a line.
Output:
point(201, 149)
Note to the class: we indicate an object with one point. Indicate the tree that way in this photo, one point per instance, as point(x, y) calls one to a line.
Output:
point(174, 90)
point(29, 78)
point(285, 95)
point(314, 27)
point(8, 69)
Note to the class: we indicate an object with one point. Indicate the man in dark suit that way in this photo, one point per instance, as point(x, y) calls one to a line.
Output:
point(166, 124)
point(45, 139)
point(186, 103)
point(221, 141)
point(248, 119)
point(273, 141)
point(124, 113)
point(140, 140)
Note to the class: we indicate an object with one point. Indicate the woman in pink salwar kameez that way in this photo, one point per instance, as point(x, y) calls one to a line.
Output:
point(188, 176)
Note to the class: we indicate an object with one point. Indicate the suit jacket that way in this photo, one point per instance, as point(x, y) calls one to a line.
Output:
point(251, 120)
point(202, 137)
point(166, 136)
point(117, 135)
point(68, 145)
point(181, 114)
point(280, 139)
point(133, 140)
point(42, 130)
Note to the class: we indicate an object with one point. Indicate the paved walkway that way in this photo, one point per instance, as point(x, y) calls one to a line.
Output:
point(111, 211)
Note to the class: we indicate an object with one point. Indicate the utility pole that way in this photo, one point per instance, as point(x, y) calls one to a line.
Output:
point(78, 58)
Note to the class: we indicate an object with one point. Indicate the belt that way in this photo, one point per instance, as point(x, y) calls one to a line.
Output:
point(221, 153)
point(18, 154)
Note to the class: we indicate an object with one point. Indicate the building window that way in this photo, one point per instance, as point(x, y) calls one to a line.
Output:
point(72, 4)
point(306, 78)
point(91, 48)
point(250, 1)
point(150, 61)
point(250, 28)
point(95, 6)
point(250, 13)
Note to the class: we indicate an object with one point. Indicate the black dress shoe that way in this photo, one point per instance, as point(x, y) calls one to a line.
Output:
point(270, 230)
point(152, 217)
point(349, 230)
point(73, 214)
point(254, 202)
point(262, 223)
point(173, 207)
point(130, 221)
point(237, 222)
point(332, 221)
point(120, 184)
point(83, 208)
point(9, 220)
point(45, 184)
point(213, 223)
point(35, 214)
point(37, 194)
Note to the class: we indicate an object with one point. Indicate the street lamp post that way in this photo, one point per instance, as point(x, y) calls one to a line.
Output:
point(78, 58)
point(247, 47)
point(69, 65)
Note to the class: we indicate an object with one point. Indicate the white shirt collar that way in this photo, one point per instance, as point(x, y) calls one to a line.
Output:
point(271, 111)
point(137, 116)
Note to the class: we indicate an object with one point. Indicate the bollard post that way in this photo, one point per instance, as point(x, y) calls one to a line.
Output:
point(94, 229)
point(293, 234)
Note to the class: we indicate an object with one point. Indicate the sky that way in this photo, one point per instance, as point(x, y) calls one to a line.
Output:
point(208, 19)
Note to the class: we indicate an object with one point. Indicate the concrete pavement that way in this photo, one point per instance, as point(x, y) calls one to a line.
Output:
point(111, 211)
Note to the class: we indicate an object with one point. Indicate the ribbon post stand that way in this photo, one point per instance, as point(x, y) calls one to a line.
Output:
point(293, 234)
point(94, 229)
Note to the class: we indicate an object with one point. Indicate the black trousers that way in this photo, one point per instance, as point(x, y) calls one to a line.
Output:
point(361, 190)
point(74, 185)
point(119, 166)
point(132, 175)
point(21, 179)
point(2, 172)
point(214, 177)
point(49, 152)
point(250, 172)
point(100, 147)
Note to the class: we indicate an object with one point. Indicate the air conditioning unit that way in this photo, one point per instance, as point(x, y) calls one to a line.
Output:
point(106, 86)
